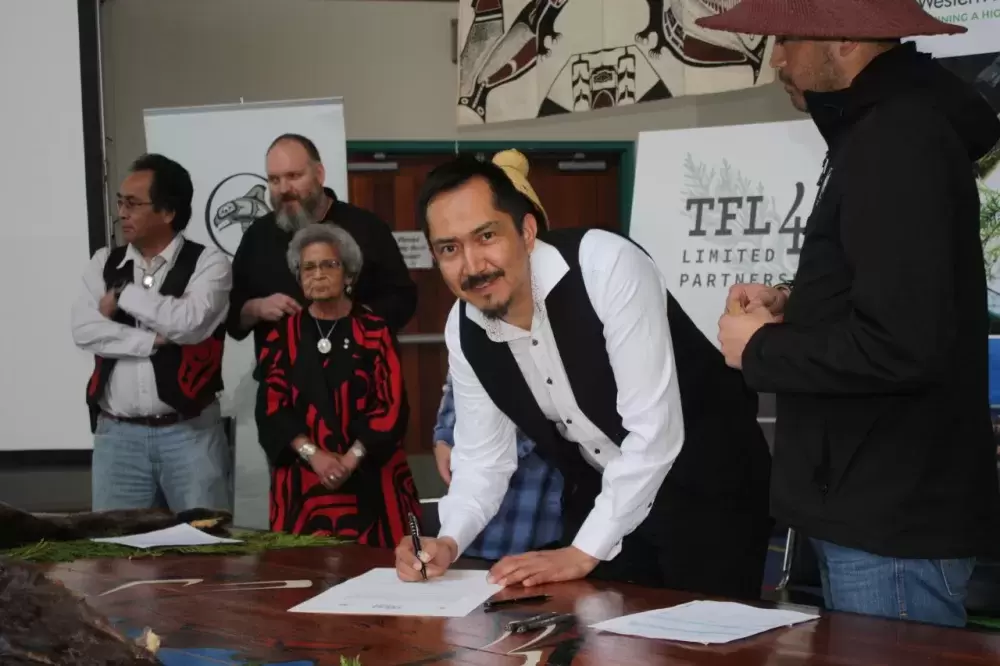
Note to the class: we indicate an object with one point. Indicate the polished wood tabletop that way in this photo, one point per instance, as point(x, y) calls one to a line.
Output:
point(238, 606)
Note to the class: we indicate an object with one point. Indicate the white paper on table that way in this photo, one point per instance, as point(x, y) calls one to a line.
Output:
point(178, 535)
point(380, 592)
point(706, 622)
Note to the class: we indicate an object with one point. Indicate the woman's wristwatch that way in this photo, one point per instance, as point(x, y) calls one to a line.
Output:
point(307, 451)
point(358, 450)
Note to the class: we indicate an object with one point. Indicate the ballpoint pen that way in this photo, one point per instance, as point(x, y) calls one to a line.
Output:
point(534, 599)
point(514, 627)
point(540, 622)
point(415, 535)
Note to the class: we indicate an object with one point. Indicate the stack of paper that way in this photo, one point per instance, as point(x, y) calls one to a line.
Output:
point(178, 535)
point(380, 592)
point(705, 622)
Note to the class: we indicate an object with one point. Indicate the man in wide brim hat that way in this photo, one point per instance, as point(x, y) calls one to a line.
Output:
point(806, 31)
point(883, 455)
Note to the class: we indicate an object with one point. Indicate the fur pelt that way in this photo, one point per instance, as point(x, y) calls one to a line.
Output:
point(19, 528)
point(42, 622)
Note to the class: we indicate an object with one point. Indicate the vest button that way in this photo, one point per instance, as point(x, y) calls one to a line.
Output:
point(549, 381)
point(569, 421)
point(597, 451)
point(534, 343)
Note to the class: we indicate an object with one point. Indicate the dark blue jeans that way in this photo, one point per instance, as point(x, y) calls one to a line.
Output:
point(931, 591)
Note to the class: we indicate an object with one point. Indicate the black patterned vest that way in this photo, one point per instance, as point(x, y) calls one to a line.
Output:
point(188, 377)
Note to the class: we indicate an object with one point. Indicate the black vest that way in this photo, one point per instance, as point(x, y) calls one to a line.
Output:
point(188, 377)
point(724, 459)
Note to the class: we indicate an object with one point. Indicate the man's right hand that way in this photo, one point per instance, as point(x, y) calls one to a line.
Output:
point(442, 456)
point(273, 308)
point(749, 297)
point(436, 555)
point(108, 304)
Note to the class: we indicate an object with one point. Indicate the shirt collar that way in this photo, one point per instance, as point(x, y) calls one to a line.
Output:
point(547, 269)
point(167, 254)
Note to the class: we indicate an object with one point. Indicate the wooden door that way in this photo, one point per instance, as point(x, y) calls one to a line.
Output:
point(576, 190)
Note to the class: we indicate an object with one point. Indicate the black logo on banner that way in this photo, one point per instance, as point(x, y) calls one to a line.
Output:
point(749, 234)
point(232, 206)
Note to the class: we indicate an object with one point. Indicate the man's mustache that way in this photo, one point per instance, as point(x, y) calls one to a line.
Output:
point(473, 281)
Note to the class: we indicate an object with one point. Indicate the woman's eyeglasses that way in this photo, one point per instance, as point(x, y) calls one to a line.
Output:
point(325, 266)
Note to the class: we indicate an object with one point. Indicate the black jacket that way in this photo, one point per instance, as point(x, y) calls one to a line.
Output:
point(260, 268)
point(883, 436)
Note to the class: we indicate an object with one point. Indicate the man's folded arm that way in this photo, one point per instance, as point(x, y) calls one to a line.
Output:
point(191, 318)
point(95, 333)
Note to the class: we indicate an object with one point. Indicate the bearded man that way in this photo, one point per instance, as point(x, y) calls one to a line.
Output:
point(265, 292)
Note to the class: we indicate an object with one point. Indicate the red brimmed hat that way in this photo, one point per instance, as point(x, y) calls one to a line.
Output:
point(830, 19)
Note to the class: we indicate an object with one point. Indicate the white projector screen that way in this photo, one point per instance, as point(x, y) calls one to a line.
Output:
point(45, 240)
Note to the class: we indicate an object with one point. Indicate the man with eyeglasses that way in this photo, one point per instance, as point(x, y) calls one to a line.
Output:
point(152, 312)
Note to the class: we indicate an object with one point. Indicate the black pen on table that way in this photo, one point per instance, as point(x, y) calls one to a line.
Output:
point(415, 535)
point(541, 622)
point(534, 599)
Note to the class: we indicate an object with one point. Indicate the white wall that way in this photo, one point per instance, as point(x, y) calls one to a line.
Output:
point(390, 61)
point(44, 240)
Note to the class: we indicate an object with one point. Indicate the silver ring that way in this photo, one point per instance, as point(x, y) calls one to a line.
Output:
point(333, 477)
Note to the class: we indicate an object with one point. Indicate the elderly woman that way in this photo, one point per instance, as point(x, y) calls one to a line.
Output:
point(334, 409)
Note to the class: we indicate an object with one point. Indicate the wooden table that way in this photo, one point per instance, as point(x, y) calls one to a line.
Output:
point(236, 606)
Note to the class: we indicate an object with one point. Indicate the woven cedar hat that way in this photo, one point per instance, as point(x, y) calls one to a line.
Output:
point(515, 165)
point(830, 19)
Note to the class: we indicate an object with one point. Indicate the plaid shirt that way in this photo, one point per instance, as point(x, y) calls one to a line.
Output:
point(530, 515)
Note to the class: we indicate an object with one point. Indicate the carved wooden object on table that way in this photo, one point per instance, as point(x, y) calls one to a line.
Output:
point(240, 604)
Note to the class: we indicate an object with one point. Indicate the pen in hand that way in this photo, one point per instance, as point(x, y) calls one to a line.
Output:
point(415, 535)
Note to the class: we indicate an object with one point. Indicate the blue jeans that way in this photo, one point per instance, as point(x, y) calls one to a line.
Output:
point(931, 591)
point(181, 466)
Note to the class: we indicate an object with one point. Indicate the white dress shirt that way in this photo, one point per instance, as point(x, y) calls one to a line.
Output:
point(190, 319)
point(629, 295)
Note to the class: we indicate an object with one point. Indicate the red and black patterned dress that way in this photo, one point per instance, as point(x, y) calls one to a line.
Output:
point(353, 393)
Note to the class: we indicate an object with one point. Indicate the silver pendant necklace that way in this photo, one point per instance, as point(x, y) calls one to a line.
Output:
point(324, 345)
point(147, 278)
